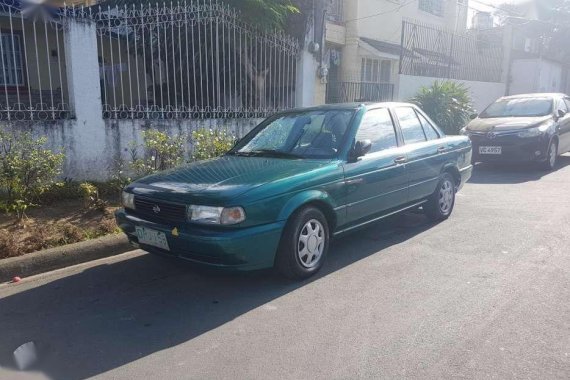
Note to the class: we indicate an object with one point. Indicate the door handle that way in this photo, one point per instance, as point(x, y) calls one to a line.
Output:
point(441, 149)
point(400, 160)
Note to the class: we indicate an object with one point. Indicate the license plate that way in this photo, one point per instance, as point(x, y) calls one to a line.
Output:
point(151, 237)
point(490, 150)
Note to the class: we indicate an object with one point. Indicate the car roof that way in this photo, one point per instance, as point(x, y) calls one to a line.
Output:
point(537, 95)
point(352, 106)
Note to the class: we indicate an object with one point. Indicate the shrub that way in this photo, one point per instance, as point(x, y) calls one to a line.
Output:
point(447, 103)
point(211, 143)
point(162, 152)
point(91, 197)
point(61, 190)
point(8, 245)
point(27, 169)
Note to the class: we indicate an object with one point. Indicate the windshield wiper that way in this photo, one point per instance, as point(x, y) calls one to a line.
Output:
point(271, 153)
point(242, 154)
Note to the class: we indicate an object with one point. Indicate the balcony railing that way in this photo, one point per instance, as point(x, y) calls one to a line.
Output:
point(348, 92)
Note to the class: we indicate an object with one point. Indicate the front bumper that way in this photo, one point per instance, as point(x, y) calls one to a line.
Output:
point(238, 249)
point(513, 148)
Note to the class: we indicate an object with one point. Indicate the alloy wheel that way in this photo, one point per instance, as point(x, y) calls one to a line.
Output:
point(311, 244)
point(552, 155)
point(446, 196)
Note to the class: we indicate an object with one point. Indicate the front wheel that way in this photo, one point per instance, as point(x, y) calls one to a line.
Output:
point(304, 244)
point(440, 205)
point(551, 157)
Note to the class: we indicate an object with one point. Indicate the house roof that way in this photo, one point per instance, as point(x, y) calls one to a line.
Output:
point(428, 56)
point(383, 46)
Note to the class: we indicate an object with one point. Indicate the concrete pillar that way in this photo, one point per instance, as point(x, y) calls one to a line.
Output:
point(88, 128)
point(306, 79)
point(307, 66)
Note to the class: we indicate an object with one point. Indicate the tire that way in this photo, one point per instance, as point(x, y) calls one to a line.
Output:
point(304, 244)
point(441, 203)
point(551, 157)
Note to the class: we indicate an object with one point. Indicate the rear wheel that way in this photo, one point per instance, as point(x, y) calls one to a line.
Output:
point(304, 244)
point(551, 156)
point(440, 205)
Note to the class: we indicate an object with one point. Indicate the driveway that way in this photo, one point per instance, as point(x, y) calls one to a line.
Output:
point(485, 294)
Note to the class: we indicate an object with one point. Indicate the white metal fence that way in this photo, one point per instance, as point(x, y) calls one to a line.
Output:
point(191, 59)
point(32, 63)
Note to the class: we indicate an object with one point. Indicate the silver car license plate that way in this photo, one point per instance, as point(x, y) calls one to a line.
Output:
point(490, 150)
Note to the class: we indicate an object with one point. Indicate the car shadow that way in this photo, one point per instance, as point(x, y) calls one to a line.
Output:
point(113, 314)
point(503, 173)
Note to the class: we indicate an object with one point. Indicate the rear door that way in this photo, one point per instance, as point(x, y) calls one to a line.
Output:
point(424, 149)
point(378, 181)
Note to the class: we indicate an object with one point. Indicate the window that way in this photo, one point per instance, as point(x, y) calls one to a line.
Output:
point(385, 71)
point(410, 124)
point(561, 105)
point(429, 130)
point(434, 7)
point(567, 101)
point(12, 70)
point(377, 127)
point(305, 134)
point(375, 71)
point(518, 107)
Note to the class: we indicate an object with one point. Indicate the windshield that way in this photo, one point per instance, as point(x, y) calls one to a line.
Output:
point(310, 134)
point(524, 107)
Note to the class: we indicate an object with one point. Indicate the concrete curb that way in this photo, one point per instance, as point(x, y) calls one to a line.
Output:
point(61, 257)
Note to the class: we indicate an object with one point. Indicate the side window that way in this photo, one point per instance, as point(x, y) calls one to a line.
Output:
point(429, 130)
point(561, 106)
point(411, 126)
point(567, 101)
point(377, 127)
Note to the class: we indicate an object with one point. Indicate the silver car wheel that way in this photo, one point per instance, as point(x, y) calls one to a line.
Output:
point(446, 193)
point(552, 153)
point(311, 244)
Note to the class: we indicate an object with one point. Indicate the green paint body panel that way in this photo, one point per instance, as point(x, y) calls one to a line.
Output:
point(270, 190)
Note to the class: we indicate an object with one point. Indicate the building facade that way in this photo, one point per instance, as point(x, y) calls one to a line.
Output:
point(363, 40)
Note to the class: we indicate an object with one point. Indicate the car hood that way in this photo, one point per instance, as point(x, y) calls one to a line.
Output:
point(505, 123)
point(222, 179)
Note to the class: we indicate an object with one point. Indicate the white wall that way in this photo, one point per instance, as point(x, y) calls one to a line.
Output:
point(525, 75)
point(388, 25)
point(536, 75)
point(95, 158)
point(483, 93)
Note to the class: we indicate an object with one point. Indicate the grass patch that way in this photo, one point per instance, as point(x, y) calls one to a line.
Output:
point(60, 223)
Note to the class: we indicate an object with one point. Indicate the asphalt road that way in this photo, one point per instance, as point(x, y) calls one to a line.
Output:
point(485, 294)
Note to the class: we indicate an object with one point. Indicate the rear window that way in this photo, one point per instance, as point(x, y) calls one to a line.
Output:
point(429, 129)
point(410, 124)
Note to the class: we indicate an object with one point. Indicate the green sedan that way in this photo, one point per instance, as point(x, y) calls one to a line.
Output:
point(293, 183)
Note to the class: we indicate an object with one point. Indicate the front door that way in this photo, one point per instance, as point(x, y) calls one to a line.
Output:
point(378, 181)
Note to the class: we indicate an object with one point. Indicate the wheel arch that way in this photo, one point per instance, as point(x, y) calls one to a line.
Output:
point(318, 199)
point(454, 171)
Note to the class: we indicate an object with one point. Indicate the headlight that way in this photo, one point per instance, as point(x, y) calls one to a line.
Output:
point(128, 200)
point(532, 132)
point(215, 215)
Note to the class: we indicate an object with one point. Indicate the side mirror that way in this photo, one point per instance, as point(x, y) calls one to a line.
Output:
point(561, 114)
point(361, 148)
point(473, 116)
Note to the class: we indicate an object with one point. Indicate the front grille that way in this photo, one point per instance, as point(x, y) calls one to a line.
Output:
point(160, 211)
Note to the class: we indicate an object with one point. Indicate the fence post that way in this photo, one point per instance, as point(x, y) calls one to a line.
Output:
point(82, 66)
point(84, 87)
